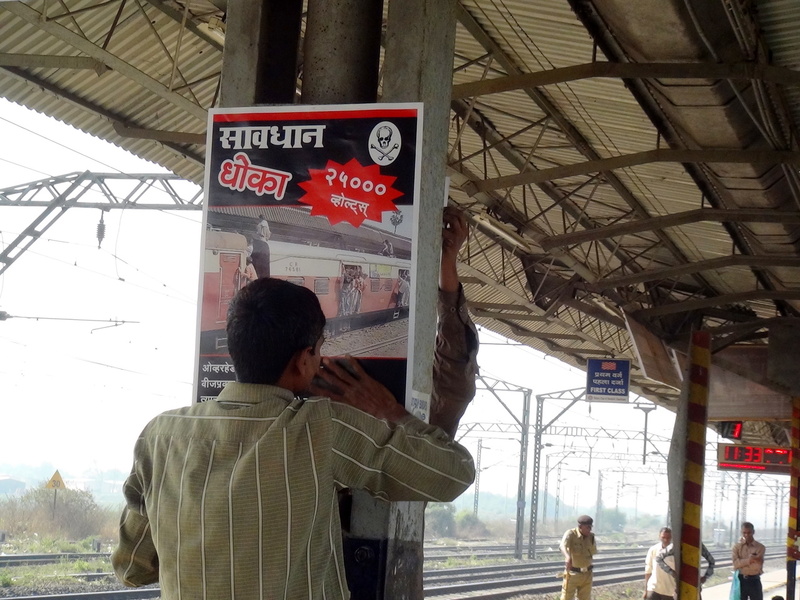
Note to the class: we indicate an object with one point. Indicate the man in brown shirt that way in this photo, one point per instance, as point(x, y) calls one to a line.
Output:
point(578, 548)
point(748, 559)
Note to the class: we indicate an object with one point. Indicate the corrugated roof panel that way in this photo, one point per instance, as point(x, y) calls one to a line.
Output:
point(598, 118)
point(779, 21)
point(134, 42)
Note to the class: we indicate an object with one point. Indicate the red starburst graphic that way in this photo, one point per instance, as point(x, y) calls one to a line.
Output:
point(350, 192)
point(608, 366)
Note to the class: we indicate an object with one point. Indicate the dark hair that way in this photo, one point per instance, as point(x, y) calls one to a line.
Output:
point(748, 525)
point(664, 530)
point(268, 321)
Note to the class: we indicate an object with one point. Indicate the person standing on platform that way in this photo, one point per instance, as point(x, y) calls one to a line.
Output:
point(666, 560)
point(748, 559)
point(262, 229)
point(249, 274)
point(578, 547)
point(658, 586)
point(260, 253)
point(403, 290)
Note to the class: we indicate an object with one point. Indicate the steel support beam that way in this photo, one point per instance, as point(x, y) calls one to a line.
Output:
point(489, 314)
point(546, 335)
point(48, 61)
point(745, 71)
point(33, 17)
point(68, 191)
point(490, 305)
point(96, 109)
point(178, 137)
point(523, 426)
point(720, 215)
point(459, 178)
point(700, 303)
point(605, 165)
point(713, 264)
point(524, 302)
point(177, 16)
point(565, 125)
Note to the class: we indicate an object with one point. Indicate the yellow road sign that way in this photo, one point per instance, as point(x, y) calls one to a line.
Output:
point(56, 482)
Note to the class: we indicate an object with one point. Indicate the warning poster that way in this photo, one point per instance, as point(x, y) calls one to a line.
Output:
point(324, 197)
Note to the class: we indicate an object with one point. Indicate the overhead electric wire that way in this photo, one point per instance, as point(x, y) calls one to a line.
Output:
point(57, 143)
point(100, 162)
point(11, 162)
point(5, 316)
point(104, 365)
point(100, 274)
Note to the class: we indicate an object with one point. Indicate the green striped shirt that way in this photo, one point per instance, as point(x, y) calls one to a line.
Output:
point(237, 498)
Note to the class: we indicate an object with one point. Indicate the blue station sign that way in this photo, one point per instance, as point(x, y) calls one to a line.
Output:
point(607, 379)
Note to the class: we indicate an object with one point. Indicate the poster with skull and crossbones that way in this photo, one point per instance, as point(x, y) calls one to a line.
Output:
point(324, 197)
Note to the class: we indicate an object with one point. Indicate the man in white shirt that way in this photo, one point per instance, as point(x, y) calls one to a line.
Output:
point(262, 229)
point(666, 560)
point(658, 586)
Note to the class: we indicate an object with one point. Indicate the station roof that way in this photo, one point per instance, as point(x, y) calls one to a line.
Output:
point(630, 168)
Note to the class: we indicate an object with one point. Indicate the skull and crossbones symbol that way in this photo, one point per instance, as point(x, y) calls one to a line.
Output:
point(384, 137)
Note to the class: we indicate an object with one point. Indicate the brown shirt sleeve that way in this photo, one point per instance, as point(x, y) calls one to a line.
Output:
point(455, 361)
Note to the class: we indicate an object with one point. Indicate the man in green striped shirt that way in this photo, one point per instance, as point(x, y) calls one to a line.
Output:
point(237, 498)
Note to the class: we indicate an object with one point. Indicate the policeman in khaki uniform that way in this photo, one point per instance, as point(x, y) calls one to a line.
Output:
point(578, 547)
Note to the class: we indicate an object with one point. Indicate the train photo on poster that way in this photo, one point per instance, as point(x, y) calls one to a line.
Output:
point(358, 282)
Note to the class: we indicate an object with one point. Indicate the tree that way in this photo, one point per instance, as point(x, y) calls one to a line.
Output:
point(440, 519)
point(468, 525)
point(611, 519)
point(396, 219)
point(76, 514)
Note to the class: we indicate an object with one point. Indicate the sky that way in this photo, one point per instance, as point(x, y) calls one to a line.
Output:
point(75, 394)
point(81, 391)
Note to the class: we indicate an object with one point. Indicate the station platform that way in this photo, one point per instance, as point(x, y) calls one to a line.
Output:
point(772, 582)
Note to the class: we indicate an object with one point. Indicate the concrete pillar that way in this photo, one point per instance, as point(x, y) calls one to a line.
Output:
point(259, 63)
point(793, 536)
point(687, 452)
point(340, 65)
point(782, 369)
point(341, 53)
point(341, 56)
point(418, 67)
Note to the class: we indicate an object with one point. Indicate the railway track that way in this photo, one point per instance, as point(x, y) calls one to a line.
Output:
point(507, 581)
point(494, 582)
point(431, 554)
point(19, 560)
point(369, 349)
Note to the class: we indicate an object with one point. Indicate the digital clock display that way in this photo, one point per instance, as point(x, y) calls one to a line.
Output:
point(736, 457)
